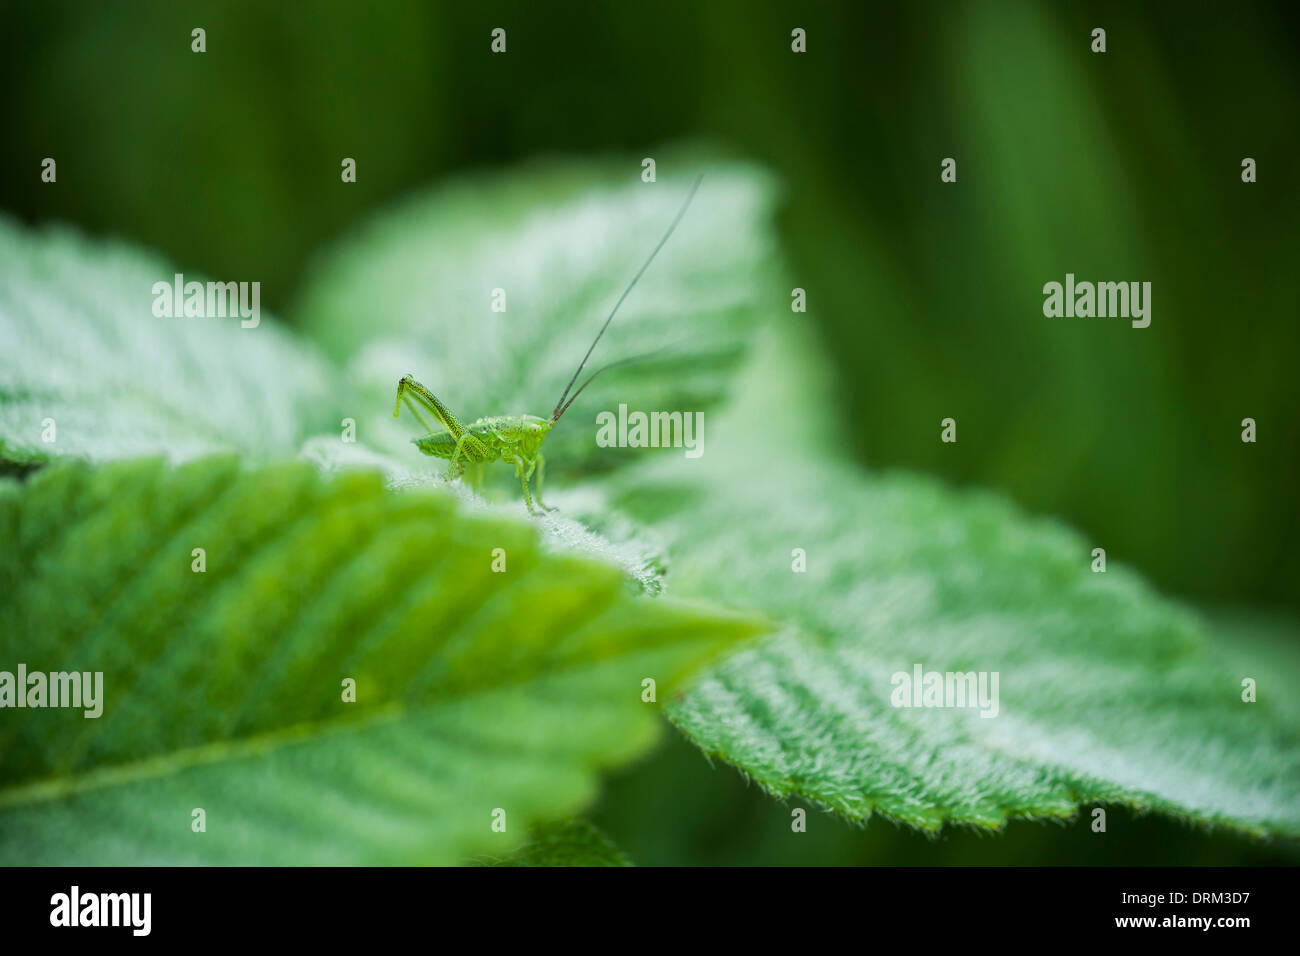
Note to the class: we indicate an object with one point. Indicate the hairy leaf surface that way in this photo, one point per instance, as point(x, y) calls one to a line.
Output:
point(88, 370)
point(417, 291)
point(223, 688)
point(1108, 692)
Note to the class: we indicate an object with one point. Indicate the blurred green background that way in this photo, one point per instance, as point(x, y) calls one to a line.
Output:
point(1119, 166)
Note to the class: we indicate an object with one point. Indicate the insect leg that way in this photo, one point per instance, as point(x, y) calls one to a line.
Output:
point(415, 410)
point(409, 388)
point(540, 464)
point(457, 465)
point(528, 498)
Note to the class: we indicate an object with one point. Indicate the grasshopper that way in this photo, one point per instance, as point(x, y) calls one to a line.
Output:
point(512, 439)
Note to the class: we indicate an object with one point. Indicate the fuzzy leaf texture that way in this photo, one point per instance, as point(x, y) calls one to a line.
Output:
point(222, 690)
point(1109, 693)
point(83, 351)
point(413, 292)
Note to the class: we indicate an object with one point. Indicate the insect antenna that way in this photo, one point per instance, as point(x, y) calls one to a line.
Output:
point(592, 377)
point(560, 406)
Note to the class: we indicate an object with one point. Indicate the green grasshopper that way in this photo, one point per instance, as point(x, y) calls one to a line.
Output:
point(513, 439)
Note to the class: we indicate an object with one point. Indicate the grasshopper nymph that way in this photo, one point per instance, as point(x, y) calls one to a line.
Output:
point(513, 439)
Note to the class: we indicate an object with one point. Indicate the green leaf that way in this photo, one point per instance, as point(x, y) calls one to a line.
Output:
point(413, 293)
point(222, 689)
point(572, 843)
point(1109, 694)
point(88, 370)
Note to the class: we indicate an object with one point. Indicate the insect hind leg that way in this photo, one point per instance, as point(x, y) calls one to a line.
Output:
point(457, 466)
point(469, 450)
